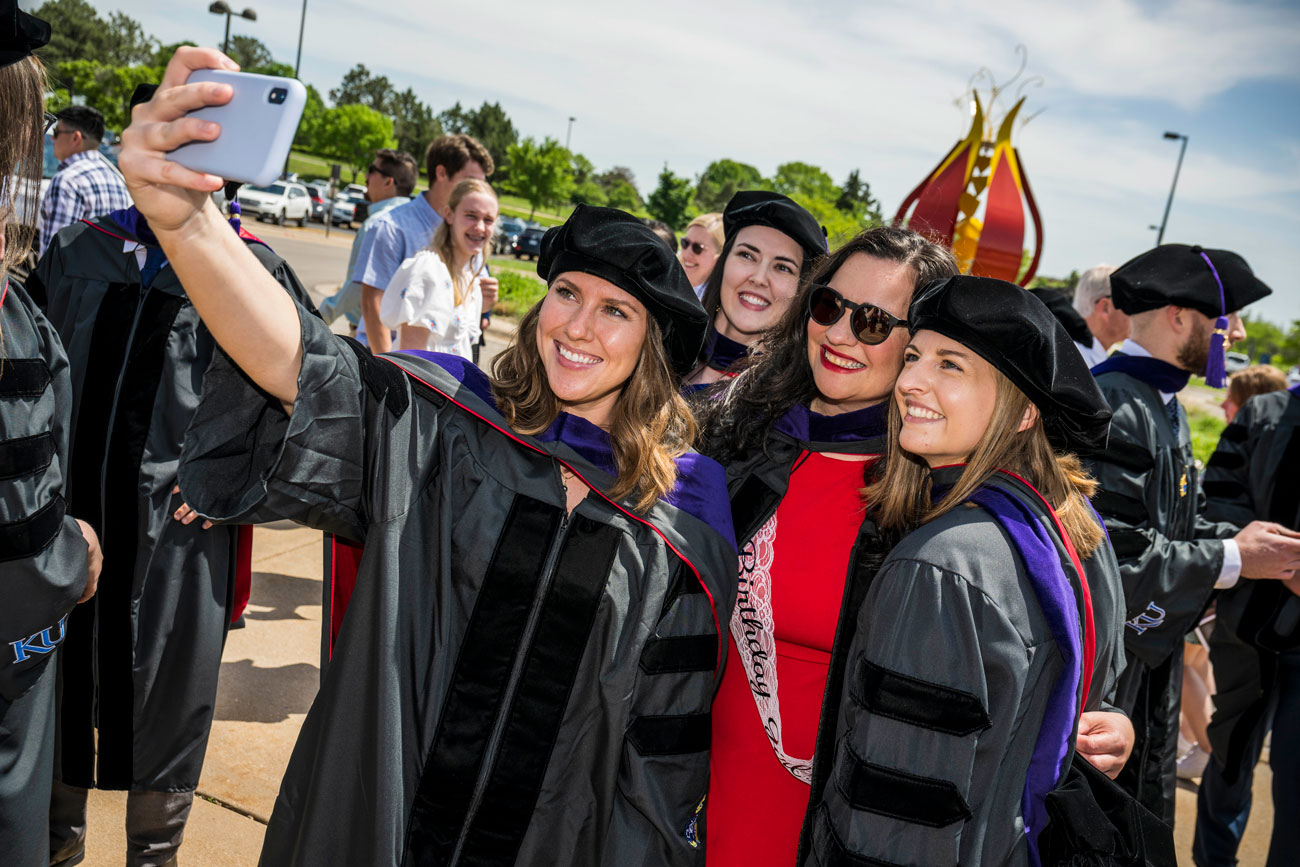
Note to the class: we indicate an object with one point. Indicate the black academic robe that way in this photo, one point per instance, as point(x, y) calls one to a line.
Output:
point(511, 683)
point(42, 566)
point(1253, 475)
point(1170, 557)
point(141, 662)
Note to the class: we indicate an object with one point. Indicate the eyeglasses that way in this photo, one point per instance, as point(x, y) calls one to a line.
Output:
point(694, 246)
point(377, 170)
point(870, 324)
point(51, 121)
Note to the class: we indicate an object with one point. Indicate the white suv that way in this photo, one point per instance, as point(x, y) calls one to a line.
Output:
point(280, 201)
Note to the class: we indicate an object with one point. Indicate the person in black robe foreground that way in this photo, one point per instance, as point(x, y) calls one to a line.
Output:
point(1171, 557)
point(48, 560)
point(138, 673)
point(1255, 643)
point(526, 665)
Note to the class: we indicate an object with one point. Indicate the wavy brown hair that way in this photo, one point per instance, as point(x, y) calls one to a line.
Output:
point(900, 495)
point(651, 426)
point(773, 381)
point(22, 104)
point(446, 250)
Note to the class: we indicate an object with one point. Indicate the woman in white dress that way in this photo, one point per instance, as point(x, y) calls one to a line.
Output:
point(435, 300)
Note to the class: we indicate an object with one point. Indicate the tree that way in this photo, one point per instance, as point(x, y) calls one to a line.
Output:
point(126, 44)
point(77, 32)
point(671, 200)
point(107, 88)
point(360, 87)
point(488, 123)
point(619, 184)
point(585, 189)
point(309, 127)
point(796, 178)
point(249, 53)
point(352, 133)
point(541, 173)
point(855, 198)
point(722, 180)
point(414, 124)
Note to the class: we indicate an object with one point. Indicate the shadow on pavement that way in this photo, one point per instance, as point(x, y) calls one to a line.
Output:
point(247, 693)
point(283, 594)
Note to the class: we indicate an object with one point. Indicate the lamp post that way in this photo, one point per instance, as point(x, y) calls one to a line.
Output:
point(220, 7)
point(1172, 136)
point(302, 25)
point(568, 136)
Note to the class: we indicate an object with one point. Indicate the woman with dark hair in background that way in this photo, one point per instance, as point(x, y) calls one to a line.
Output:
point(526, 665)
point(50, 561)
point(772, 244)
point(993, 624)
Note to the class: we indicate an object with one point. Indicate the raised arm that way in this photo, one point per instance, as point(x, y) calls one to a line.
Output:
point(248, 313)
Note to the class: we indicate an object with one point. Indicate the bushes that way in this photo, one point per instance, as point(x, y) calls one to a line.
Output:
point(518, 292)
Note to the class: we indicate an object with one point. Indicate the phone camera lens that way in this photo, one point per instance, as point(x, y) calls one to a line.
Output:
point(278, 95)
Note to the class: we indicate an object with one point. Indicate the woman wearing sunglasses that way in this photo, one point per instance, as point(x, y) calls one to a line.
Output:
point(701, 245)
point(771, 244)
point(992, 624)
point(797, 431)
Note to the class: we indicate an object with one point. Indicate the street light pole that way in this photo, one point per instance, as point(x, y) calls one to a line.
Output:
point(1172, 136)
point(569, 135)
point(220, 7)
point(302, 25)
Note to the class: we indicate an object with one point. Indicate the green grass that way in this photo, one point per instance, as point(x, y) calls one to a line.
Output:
point(1205, 430)
point(518, 291)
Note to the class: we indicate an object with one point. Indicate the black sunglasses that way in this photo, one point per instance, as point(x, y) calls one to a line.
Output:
point(377, 170)
point(870, 324)
point(695, 246)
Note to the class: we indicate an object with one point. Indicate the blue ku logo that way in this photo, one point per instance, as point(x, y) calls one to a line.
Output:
point(1151, 618)
point(40, 643)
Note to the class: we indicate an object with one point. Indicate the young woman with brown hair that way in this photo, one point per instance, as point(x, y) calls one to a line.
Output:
point(528, 658)
point(995, 622)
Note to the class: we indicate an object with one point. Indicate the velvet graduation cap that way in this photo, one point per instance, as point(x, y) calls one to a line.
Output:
point(1062, 308)
point(1016, 333)
point(1213, 282)
point(618, 247)
point(762, 208)
point(20, 33)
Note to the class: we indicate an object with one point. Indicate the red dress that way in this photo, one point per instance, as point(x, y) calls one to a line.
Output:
point(755, 807)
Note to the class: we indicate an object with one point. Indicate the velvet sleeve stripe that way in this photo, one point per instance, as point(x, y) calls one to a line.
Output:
point(26, 456)
point(24, 377)
point(1222, 489)
point(385, 382)
point(671, 735)
point(1235, 433)
point(677, 654)
point(907, 797)
point(1226, 460)
point(916, 702)
point(1128, 543)
point(1113, 505)
point(830, 850)
point(751, 505)
point(1125, 455)
point(29, 536)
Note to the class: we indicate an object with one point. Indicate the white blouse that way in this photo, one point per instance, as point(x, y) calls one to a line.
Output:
point(421, 294)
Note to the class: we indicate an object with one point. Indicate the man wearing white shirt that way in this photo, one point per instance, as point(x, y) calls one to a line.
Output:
point(1171, 558)
point(1108, 324)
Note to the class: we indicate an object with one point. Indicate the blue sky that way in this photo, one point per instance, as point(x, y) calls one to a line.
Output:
point(869, 85)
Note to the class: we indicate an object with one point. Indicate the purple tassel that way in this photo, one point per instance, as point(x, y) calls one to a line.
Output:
point(235, 211)
point(1216, 369)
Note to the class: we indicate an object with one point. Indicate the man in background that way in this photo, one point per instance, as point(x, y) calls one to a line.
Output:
point(87, 185)
point(399, 233)
point(1108, 324)
point(390, 180)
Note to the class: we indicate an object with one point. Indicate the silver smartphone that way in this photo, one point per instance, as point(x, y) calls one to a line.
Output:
point(257, 127)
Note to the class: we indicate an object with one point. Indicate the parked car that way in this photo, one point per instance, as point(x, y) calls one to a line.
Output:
point(359, 189)
point(281, 201)
point(508, 229)
point(1236, 361)
point(318, 204)
point(528, 243)
point(349, 207)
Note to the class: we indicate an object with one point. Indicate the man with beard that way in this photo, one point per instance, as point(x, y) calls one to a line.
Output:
point(1171, 558)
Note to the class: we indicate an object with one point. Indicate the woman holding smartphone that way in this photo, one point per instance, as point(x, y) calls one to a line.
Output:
point(771, 244)
point(434, 301)
point(979, 641)
point(530, 651)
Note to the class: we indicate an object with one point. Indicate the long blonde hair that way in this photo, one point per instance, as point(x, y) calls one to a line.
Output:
point(651, 426)
point(900, 496)
point(442, 244)
point(22, 100)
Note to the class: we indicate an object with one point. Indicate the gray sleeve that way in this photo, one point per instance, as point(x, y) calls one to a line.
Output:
point(932, 693)
point(325, 466)
point(1166, 581)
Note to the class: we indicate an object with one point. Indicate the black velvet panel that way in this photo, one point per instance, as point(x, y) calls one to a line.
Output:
point(29, 536)
point(385, 381)
point(680, 653)
point(1225, 489)
point(23, 377)
point(916, 702)
point(674, 735)
point(751, 506)
point(1235, 433)
point(1125, 455)
point(900, 795)
point(1284, 507)
point(26, 456)
point(503, 816)
point(1226, 460)
point(831, 852)
point(1112, 505)
point(479, 683)
point(1128, 543)
point(132, 420)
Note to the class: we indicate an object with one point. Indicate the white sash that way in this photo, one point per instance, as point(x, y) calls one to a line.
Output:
point(752, 630)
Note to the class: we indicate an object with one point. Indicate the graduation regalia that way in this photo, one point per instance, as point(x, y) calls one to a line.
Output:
point(511, 684)
point(42, 561)
point(1151, 499)
point(142, 658)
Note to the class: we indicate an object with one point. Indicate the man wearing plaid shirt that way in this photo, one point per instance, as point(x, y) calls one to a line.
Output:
point(86, 185)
